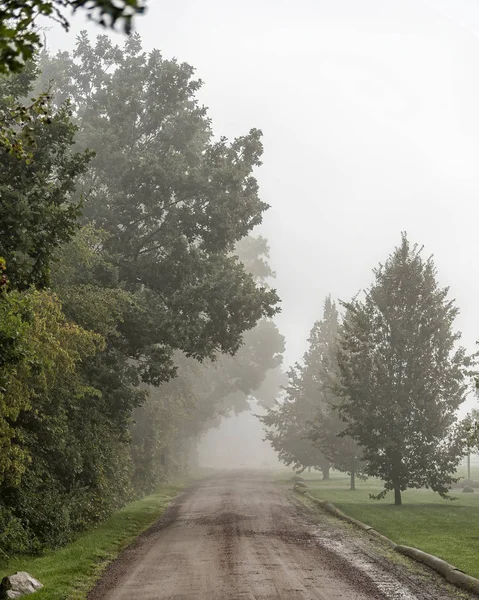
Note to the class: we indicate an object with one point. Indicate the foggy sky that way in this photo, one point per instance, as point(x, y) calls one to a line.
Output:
point(371, 126)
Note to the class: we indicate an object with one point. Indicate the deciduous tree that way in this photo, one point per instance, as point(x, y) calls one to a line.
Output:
point(307, 396)
point(39, 208)
point(19, 34)
point(326, 428)
point(173, 201)
point(403, 376)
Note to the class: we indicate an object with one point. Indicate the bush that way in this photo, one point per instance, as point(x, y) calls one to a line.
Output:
point(14, 536)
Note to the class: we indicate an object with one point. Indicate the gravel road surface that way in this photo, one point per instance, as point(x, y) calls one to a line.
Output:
point(238, 536)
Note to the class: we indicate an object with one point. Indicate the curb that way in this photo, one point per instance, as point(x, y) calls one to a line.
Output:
point(446, 570)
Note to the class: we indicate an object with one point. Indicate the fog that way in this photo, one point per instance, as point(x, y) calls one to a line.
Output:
point(370, 122)
point(237, 444)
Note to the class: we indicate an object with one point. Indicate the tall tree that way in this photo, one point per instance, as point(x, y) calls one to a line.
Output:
point(173, 201)
point(39, 208)
point(172, 208)
point(328, 434)
point(175, 415)
point(402, 376)
point(326, 428)
point(308, 392)
point(152, 278)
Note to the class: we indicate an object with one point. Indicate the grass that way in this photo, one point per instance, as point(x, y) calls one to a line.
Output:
point(69, 573)
point(445, 528)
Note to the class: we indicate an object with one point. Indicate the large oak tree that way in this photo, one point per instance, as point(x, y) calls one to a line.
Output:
point(173, 200)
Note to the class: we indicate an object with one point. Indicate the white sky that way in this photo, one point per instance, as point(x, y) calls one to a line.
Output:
point(370, 114)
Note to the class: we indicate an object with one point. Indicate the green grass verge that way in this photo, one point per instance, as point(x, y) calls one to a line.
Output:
point(448, 529)
point(69, 573)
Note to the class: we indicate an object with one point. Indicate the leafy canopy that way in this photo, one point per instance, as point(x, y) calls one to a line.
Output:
point(402, 376)
point(172, 200)
point(289, 423)
point(20, 38)
point(326, 427)
point(38, 346)
point(39, 208)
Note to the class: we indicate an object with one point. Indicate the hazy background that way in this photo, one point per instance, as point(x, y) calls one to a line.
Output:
point(238, 443)
point(370, 114)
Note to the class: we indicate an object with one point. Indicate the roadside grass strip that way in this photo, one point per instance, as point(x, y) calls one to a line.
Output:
point(70, 572)
point(447, 529)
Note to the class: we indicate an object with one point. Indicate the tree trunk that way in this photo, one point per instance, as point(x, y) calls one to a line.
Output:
point(353, 480)
point(469, 466)
point(309, 469)
point(325, 471)
point(397, 496)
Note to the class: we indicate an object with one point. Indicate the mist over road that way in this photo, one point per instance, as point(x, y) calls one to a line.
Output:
point(239, 536)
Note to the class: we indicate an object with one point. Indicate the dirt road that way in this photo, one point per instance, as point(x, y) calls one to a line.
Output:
point(240, 537)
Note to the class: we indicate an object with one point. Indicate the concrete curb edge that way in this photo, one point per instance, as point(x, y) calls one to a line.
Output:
point(446, 570)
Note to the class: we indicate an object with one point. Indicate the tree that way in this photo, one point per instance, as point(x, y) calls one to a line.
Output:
point(274, 381)
point(344, 454)
point(402, 377)
point(287, 431)
point(169, 424)
point(470, 426)
point(326, 428)
point(39, 209)
point(307, 396)
point(38, 347)
point(253, 251)
point(173, 201)
point(20, 38)
point(162, 247)
point(147, 284)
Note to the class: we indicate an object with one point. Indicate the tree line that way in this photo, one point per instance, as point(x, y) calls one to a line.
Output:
point(378, 390)
point(135, 306)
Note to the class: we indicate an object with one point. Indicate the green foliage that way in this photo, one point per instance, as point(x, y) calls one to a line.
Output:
point(88, 285)
point(70, 572)
point(45, 425)
point(14, 536)
point(142, 245)
point(269, 389)
point(156, 269)
point(471, 429)
point(174, 415)
point(38, 210)
point(344, 454)
point(20, 38)
point(402, 378)
point(38, 346)
point(294, 425)
point(40, 456)
point(326, 428)
point(253, 252)
point(286, 430)
point(426, 521)
point(172, 200)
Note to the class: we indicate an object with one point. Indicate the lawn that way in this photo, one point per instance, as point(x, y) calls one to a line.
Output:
point(448, 529)
point(70, 572)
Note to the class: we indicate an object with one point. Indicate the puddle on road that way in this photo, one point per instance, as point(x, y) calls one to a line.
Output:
point(386, 583)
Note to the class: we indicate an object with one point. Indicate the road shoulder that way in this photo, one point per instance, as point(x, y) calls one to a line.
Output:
point(353, 542)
